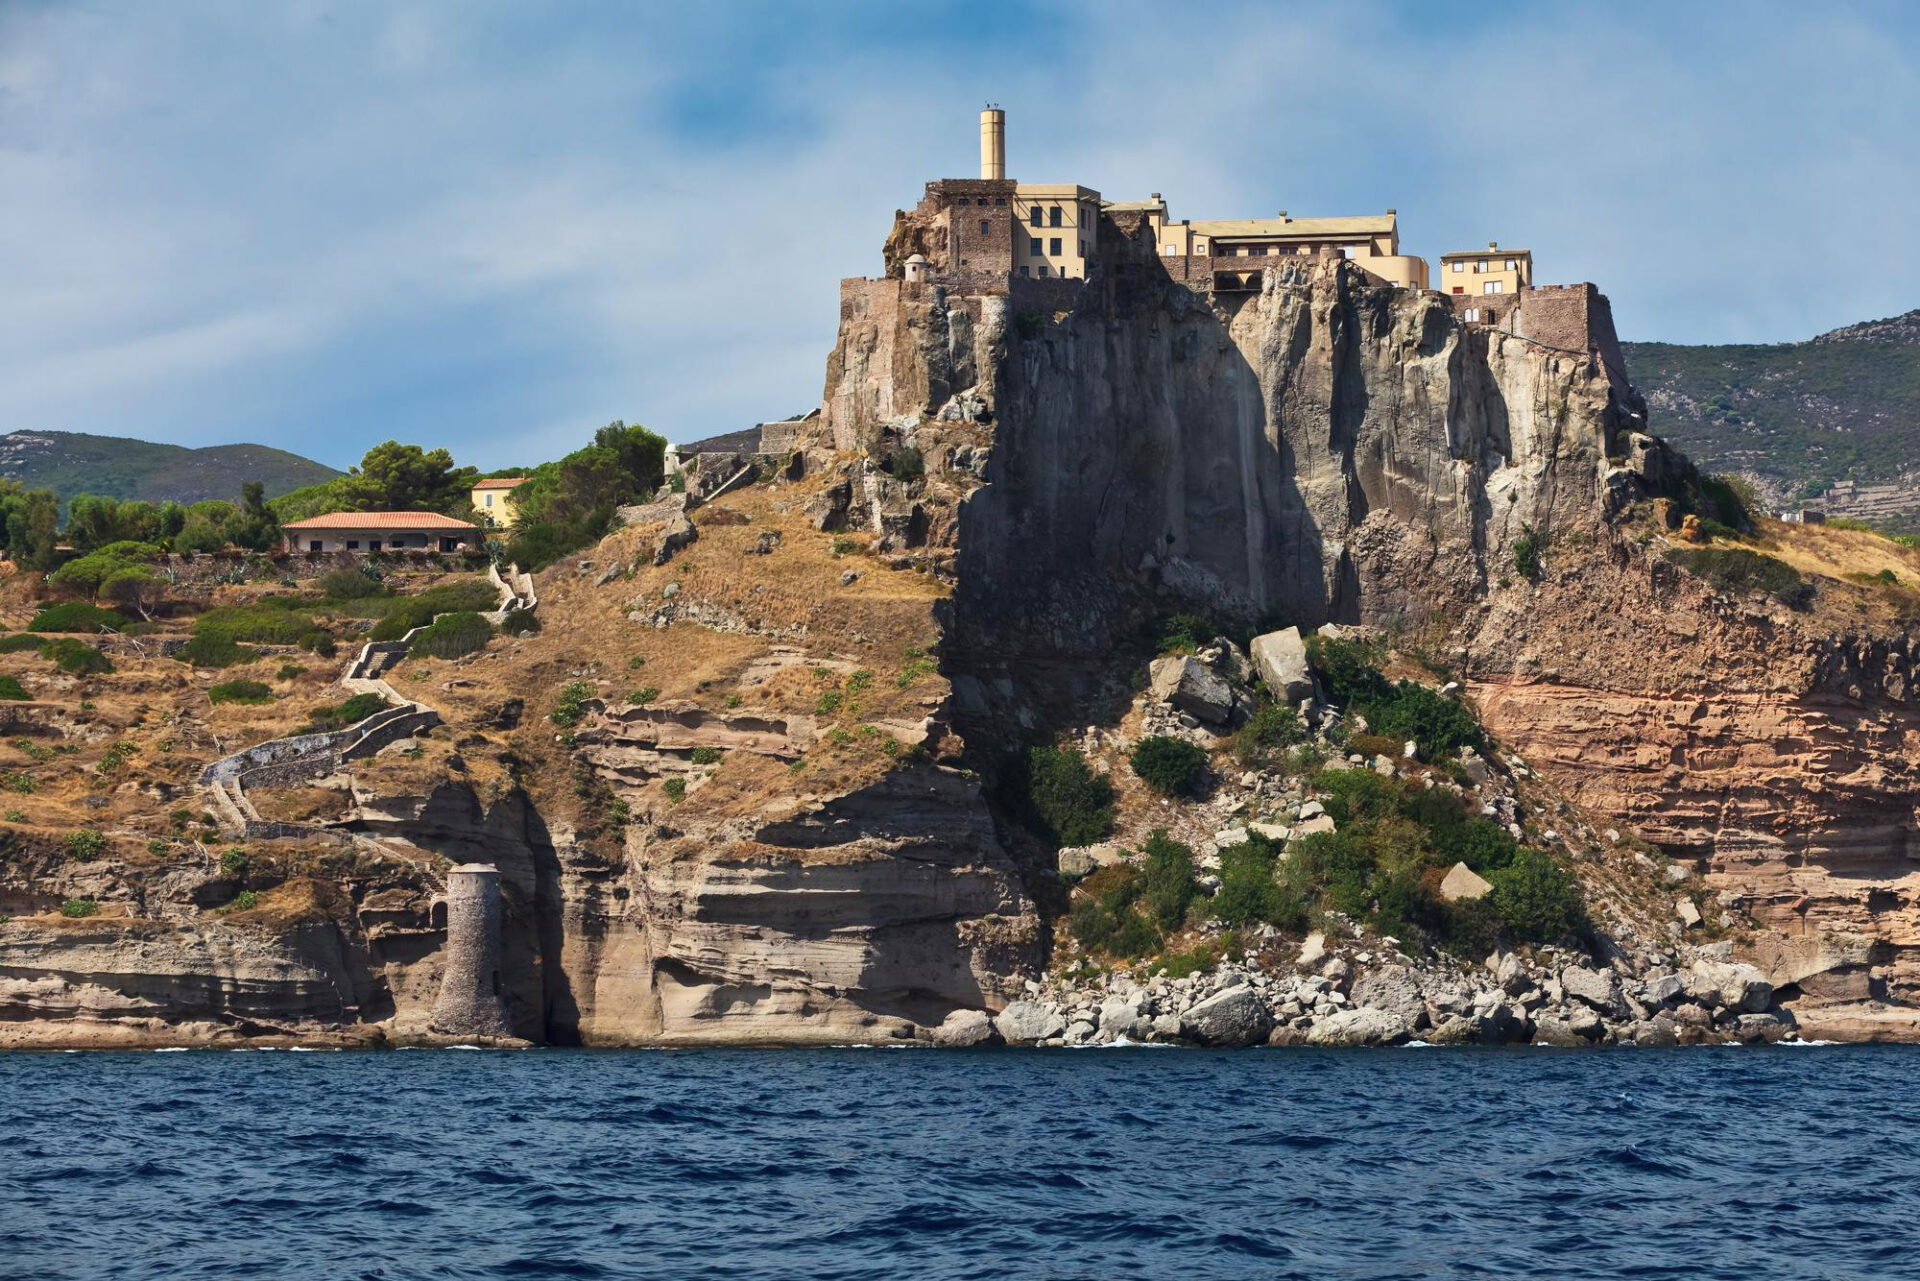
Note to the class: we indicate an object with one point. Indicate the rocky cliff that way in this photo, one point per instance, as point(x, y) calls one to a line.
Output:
point(744, 784)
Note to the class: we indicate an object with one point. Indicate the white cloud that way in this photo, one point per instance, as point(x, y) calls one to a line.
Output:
point(476, 226)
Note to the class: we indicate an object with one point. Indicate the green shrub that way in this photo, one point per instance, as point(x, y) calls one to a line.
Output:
point(1072, 803)
point(1185, 633)
point(1526, 553)
point(1249, 894)
point(18, 782)
point(240, 692)
point(452, 636)
point(10, 689)
point(268, 622)
point(844, 547)
point(1109, 918)
point(1167, 883)
point(85, 844)
point(244, 901)
point(1272, 729)
point(75, 657)
point(350, 584)
point(317, 643)
point(214, 651)
point(289, 671)
point(1170, 766)
point(20, 642)
point(1536, 898)
point(1180, 965)
point(636, 662)
point(521, 622)
point(568, 710)
point(351, 712)
point(77, 908)
point(1349, 671)
point(645, 694)
point(676, 789)
point(88, 573)
point(1737, 571)
point(77, 616)
point(706, 756)
point(233, 862)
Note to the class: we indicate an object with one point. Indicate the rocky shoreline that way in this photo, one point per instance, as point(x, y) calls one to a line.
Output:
point(1342, 998)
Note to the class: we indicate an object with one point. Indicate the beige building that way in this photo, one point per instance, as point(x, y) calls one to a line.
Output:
point(1055, 229)
point(1492, 270)
point(1371, 240)
point(379, 532)
point(493, 499)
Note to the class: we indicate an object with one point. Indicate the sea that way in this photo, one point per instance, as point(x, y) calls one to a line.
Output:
point(1729, 1162)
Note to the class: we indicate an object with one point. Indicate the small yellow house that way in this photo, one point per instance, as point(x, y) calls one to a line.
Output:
point(1492, 270)
point(493, 499)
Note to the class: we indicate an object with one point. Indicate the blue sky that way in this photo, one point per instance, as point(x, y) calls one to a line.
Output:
point(494, 226)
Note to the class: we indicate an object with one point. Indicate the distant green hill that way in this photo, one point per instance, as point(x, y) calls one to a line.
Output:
point(1798, 416)
point(72, 463)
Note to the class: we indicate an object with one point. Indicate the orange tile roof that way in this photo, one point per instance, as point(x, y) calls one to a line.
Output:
point(381, 520)
point(501, 482)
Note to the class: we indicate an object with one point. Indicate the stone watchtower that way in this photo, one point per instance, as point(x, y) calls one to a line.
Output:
point(471, 1001)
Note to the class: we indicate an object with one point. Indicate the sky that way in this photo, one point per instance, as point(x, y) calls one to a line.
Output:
point(493, 227)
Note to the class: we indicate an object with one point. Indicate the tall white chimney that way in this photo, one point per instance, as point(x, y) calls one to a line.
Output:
point(993, 143)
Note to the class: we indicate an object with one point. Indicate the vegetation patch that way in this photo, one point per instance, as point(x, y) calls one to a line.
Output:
point(452, 636)
point(1126, 911)
point(571, 705)
point(1438, 725)
point(75, 657)
point(214, 651)
point(77, 616)
point(1069, 802)
point(10, 689)
point(341, 715)
point(241, 691)
point(1737, 571)
point(1170, 766)
point(85, 844)
point(79, 908)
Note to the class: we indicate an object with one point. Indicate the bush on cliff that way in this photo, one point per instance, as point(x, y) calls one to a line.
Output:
point(1268, 733)
point(1249, 894)
point(1072, 804)
point(214, 651)
point(85, 575)
point(1167, 883)
point(341, 715)
point(10, 689)
point(75, 657)
point(1349, 672)
point(1536, 899)
point(1170, 766)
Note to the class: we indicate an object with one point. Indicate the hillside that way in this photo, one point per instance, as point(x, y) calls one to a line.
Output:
point(1799, 417)
point(72, 463)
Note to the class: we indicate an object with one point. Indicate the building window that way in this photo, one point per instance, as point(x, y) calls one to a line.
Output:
point(1043, 271)
point(353, 544)
point(1033, 216)
point(1512, 265)
point(986, 228)
point(1199, 246)
point(1083, 249)
point(1479, 267)
point(1169, 249)
point(373, 544)
point(1053, 216)
point(1459, 289)
point(999, 200)
point(1459, 267)
point(1053, 246)
point(963, 200)
point(1033, 245)
point(1494, 287)
point(1024, 271)
point(1472, 314)
point(489, 500)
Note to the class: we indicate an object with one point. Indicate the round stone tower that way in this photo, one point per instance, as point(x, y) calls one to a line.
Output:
point(471, 1001)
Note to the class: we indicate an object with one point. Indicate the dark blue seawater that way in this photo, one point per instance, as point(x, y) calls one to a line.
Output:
point(1700, 1163)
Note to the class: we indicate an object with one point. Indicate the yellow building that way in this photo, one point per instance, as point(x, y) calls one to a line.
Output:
point(1492, 270)
point(493, 499)
point(1055, 229)
point(1372, 241)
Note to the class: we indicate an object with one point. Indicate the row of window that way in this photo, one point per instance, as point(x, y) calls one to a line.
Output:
point(1042, 271)
point(1053, 247)
point(998, 200)
point(1488, 287)
point(1486, 264)
point(1053, 217)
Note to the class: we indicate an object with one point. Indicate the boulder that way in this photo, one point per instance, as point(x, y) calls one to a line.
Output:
point(1190, 686)
point(1454, 1030)
point(1358, 1027)
point(1395, 989)
point(1662, 988)
point(1686, 912)
point(1549, 1030)
point(1313, 948)
point(1286, 1035)
point(1281, 659)
point(1737, 987)
point(1656, 1032)
point(963, 1028)
point(1763, 1028)
point(1077, 861)
point(1318, 823)
point(1598, 988)
point(1270, 831)
point(1235, 1017)
point(1462, 882)
point(1024, 1022)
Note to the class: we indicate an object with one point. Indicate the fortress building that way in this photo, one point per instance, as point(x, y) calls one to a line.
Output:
point(981, 234)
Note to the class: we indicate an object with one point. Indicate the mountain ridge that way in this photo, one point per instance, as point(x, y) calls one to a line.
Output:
point(123, 467)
